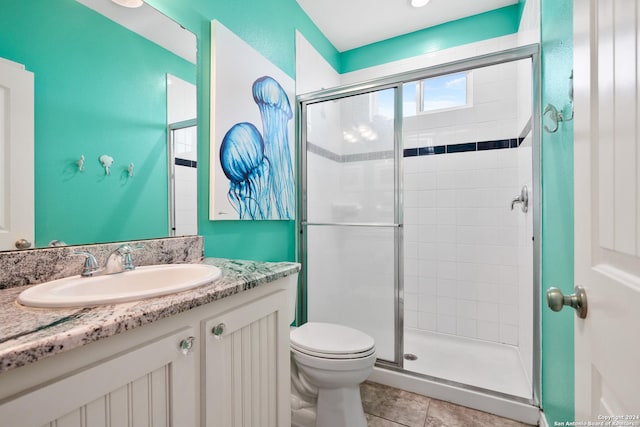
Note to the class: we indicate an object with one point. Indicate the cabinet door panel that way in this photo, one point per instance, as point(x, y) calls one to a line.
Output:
point(117, 400)
point(117, 392)
point(160, 397)
point(247, 366)
point(96, 413)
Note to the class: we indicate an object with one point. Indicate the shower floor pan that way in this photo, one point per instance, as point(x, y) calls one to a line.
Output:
point(478, 363)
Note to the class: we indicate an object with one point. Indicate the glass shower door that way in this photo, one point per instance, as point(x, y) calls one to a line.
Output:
point(350, 216)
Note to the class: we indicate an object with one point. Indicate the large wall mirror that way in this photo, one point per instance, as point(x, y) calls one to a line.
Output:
point(101, 88)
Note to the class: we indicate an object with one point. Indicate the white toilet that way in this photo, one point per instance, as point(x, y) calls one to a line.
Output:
point(328, 363)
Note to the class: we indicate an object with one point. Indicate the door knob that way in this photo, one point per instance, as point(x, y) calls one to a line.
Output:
point(578, 300)
point(23, 244)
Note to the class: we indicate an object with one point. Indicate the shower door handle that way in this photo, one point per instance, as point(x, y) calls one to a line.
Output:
point(522, 198)
point(578, 300)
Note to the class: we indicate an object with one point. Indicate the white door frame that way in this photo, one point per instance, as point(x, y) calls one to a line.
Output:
point(16, 155)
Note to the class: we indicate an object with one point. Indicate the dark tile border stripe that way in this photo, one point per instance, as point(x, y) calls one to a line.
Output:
point(464, 147)
point(345, 158)
point(187, 163)
point(495, 145)
point(419, 151)
point(323, 152)
point(461, 148)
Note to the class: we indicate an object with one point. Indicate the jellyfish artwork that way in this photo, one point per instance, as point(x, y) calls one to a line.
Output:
point(275, 111)
point(243, 161)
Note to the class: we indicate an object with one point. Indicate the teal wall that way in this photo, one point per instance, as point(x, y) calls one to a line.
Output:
point(557, 213)
point(484, 26)
point(269, 27)
point(65, 128)
point(99, 89)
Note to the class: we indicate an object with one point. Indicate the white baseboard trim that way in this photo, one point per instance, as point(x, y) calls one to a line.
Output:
point(543, 420)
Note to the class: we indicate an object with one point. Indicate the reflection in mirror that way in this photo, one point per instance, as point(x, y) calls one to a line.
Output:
point(183, 157)
point(100, 89)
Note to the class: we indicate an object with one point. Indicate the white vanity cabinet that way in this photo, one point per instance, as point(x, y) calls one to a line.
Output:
point(151, 385)
point(225, 363)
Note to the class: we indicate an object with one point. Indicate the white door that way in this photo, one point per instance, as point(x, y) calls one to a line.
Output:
point(16, 156)
point(607, 209)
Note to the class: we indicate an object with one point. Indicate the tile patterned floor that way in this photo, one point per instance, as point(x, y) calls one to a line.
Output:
point(390, 407)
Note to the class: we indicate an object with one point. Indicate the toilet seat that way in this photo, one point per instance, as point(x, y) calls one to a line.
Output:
point(333, 356)
point(330, 341)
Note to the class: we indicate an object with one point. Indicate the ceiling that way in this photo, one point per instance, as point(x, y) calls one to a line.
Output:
point(353, 23)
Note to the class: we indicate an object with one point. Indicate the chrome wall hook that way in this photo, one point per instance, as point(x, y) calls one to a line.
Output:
point(556, 115)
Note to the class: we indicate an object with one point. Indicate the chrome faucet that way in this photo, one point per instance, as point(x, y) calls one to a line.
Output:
point(118, 261)
point(90, 267)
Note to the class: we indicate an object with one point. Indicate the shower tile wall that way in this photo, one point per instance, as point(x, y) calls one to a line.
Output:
point(461, 240)
point(461, 244)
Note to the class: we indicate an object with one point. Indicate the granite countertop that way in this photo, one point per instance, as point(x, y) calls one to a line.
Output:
point(29, 334)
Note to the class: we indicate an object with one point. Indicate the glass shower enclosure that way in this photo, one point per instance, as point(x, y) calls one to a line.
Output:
point(406, 231)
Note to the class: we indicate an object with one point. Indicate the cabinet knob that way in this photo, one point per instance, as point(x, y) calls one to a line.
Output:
point(186, 345)
point(218, 330)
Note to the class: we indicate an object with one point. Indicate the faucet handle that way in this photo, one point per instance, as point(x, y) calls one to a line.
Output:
point(126, 250)
point(90, 263)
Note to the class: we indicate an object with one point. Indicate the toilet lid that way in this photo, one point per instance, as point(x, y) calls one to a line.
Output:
point(328, 339)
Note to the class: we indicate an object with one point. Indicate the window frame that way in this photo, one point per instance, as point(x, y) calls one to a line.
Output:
point(419, 98)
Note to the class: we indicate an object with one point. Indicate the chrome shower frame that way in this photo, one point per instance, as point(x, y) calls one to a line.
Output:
point(396, 81)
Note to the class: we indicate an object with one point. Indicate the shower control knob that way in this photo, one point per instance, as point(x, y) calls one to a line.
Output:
point(522, 199)
point(578, 300)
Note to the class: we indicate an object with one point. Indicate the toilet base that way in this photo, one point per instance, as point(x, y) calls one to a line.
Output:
point(305, 417)
point(341, 407)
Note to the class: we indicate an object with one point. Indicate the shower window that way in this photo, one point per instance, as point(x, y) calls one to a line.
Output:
point(436, 94)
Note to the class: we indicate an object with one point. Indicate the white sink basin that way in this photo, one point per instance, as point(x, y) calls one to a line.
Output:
point(143, 282)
